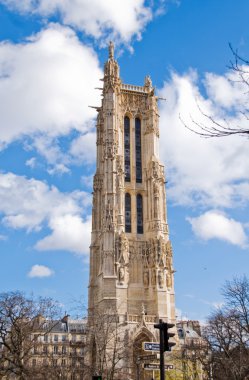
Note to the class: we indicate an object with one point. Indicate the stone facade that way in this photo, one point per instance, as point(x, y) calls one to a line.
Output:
point(131, 267)
point(50, 350)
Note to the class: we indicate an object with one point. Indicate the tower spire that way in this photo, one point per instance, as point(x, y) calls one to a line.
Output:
point(111, 71)
point(111, 50)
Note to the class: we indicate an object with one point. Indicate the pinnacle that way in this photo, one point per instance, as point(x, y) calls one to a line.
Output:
point(111, 50)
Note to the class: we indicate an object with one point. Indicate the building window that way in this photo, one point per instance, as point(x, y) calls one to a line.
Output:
point(45, 338)
point(63, 338)
point(127, 212)
point(138, 150)
point(55, 338)
point(140, 228)
point(55, 349)
point(33, 362)
point(64, 350)
point(127, 149)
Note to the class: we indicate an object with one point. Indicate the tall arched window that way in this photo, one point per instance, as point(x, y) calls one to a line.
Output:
point(140, 228)
point(138, 150)
point(127, 149)
point(127, 212)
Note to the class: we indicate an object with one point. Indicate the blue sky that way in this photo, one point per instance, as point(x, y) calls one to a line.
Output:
point(51, 59)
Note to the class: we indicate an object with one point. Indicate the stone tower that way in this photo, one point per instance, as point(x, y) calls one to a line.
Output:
point(131, 266)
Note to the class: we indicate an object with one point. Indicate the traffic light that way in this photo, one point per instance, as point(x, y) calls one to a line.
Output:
point(167, 335)
point(165, 344)
point(98, 377)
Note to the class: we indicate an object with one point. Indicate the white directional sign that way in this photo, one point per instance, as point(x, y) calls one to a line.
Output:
point(151, 346)
point(155, 367)
point(149, 357)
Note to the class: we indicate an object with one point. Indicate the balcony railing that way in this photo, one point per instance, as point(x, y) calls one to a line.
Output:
point(137, 318)
point(131, 87)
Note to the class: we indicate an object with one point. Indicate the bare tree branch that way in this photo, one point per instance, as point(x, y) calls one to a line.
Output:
point(214, 128)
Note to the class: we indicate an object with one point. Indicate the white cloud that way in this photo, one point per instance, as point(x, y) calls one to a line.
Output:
point(209, 172)
point(107, 19)
point(46, 85)
point(87, 180)
point(218, 305)
point(69, 233)
point(58, 169)
point(189, 295)
point(227, 90)
point(31, 204)
point(180, 315)
point(31, 162)
point(83, 148)
point(40, 271)
point(214, 225)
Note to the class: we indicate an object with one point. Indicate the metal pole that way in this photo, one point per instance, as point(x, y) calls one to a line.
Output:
point(138, 369)
point(162, 371)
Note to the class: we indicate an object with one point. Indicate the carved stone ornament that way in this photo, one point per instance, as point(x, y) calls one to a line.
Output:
point(154, 253)
point(107, 217)
point(122, 250)
point(97, 182)
point(160, 279)
point(121, 274)
point(110, 149)
point(146, 278)
point(133, 102)
point(120, 164)
point(153, 277)
point(169, 279)
point(151, 129)
point(155, 169)
point(148, 82)
point(158, 226)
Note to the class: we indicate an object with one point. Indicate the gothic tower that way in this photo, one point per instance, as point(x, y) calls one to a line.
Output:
point(131, 266)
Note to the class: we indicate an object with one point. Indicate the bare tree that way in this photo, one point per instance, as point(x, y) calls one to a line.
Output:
point(19, 318)
point(211, 127)
point(109, 345)
point(227, 333)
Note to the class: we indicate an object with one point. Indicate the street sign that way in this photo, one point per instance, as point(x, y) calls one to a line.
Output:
point(155, 367)
point(148, 357)
point(151, 366)
point(151, 346)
